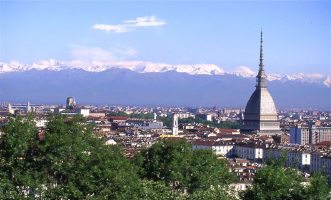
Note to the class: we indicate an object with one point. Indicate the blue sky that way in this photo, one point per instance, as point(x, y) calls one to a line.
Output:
point(297, 35)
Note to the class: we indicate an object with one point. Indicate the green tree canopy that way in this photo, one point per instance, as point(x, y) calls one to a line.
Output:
point(318, 188)
point(17, 167)
point(156, 190)
point(132, 115)
point(70, 162)
point(175, 163)
point(277, 182)
point(209, 194)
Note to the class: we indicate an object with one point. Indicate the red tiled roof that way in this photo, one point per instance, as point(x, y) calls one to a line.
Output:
point(326, 143)
point(117, 118)
point(224, 130)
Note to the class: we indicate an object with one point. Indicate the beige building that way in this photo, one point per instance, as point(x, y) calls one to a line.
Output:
point(309, 134)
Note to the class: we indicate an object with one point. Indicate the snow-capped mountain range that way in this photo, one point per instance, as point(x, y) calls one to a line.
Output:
point(150, 67)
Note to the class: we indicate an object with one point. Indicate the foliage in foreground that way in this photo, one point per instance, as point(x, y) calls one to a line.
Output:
point(175, 163)
point(274, 181)
point(68, 161)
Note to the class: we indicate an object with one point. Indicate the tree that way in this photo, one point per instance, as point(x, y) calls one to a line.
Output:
point(207, 170)
point(209, 194)
point(76, 163)
point(317, 188)
point(175, 163)
point(122, 114)
point(167, 121)
point(275, 181)
point(70, 162)
point(156, 190)
point(167, 161)
point(17, 167)
point(189, 120)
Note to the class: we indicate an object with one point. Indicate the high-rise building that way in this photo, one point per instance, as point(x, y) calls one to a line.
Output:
point(260, 116)
point(309, 134)
point(175, 124)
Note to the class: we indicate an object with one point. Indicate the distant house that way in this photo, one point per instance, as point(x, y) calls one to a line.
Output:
point(221, 148)
point(99, 114)
point(110, 142)
point(252, 151)
point(83, 111)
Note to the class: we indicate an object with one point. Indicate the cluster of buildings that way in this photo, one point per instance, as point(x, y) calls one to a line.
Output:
point(302, 137)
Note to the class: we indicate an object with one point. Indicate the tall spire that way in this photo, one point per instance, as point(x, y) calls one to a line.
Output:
point(261, 53)
point(261, 77)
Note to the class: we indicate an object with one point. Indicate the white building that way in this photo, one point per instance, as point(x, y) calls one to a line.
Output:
point(110, 142)
point(220, 148)
point(83, 111)
point(296, 156)
point(175, 124)
point(299, 159)
point(185, 115)
point(146, 124)
point(250, 151)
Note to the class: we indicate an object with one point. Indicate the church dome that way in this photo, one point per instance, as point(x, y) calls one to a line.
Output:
point(261, 103)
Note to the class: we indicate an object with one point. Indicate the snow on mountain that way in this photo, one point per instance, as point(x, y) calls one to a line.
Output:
point(137, 66)
point(243, 71)
point(308, 78)
point(40, 65)
point(48, 64)
point(208, 69)
point(327, 81)
point(274, 77)
point(12, 66)
point(150, 67)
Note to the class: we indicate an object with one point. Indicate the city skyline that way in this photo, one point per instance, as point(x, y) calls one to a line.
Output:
point(224, 33)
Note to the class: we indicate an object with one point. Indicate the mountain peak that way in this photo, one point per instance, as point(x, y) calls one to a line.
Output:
point(150, 67)
point(244, 72)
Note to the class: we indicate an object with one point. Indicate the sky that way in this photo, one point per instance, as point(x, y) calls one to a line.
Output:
point(296, 34)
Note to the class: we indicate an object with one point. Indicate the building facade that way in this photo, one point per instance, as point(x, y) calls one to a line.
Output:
point(310, 134)
point(220, 148)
